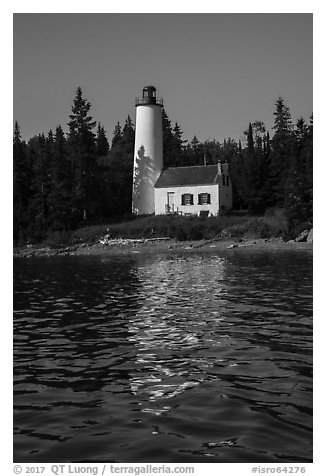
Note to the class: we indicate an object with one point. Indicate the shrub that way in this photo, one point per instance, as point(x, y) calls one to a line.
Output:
point(89, 234)
point(58, 239)
point(276, 218)
point(181, 228)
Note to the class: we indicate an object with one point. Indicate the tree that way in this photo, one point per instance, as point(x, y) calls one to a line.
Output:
point(128, 136)
point(102, 144)
point(295, 203)
point(21, 178)
point(119, 173)
point(61, 197)
point(257, 168)
point(117, 135)
point(177, 145)
point(308, 168)
point(168, 141)
point(238, 179)
point(282, 149)
point(196, 152)
point(82, 150)
point(298, 196)
point(39, 158)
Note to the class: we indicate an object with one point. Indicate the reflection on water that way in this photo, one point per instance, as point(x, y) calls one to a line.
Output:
point(174, 321)
point(170, 359)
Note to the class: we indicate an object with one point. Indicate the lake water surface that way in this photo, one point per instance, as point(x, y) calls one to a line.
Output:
point(194, 358)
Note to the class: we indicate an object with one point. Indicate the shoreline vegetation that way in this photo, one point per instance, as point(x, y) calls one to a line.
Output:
point(66, 184)
point(174, 234)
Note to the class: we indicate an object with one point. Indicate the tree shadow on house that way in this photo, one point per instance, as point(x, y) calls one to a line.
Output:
point(143, 183)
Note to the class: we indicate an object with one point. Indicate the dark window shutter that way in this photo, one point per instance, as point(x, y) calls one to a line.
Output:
point(182, 199)
point(209, 198)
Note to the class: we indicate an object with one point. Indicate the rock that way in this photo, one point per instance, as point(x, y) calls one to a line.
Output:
point(309, 237)
point(302, 237)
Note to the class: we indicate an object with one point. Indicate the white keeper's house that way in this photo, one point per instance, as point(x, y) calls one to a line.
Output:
point(195, 190)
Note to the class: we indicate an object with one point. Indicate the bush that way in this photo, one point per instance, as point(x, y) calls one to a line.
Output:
point(89, 234)
point(276, 218)
point(181, 228)
point(58, 239)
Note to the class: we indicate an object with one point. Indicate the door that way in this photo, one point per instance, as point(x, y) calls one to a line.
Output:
point(170, 204)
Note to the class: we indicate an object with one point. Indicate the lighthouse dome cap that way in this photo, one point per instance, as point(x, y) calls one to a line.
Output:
point(149, 88)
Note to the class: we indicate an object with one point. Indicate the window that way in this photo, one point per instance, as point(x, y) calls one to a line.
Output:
point(204, 198)
point(187, 199)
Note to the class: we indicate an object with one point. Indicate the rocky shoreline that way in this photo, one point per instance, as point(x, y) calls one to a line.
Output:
point(162, 245)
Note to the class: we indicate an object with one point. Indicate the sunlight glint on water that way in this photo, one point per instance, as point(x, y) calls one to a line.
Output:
point(169, 359)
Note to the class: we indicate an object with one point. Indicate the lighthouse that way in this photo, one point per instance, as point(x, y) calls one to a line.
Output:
point(148, 155)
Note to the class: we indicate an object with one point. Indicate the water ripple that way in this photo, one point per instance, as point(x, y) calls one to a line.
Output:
point(175, 359)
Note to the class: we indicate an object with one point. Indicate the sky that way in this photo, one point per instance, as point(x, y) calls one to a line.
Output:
point(215, 71)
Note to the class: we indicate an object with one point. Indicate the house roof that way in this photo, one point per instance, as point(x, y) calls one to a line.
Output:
point(193, 175)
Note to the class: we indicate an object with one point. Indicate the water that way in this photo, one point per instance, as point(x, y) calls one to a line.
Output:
point(195, 358)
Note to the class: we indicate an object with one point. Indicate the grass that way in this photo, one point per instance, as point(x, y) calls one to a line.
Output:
point(181, 228)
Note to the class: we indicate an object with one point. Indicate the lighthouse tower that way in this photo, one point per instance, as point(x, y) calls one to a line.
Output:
point(148, 156)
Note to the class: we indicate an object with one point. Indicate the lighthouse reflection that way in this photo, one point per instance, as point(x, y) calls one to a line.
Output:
point(171, 332)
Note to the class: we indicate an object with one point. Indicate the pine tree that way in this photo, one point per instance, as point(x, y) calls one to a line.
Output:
point(308, 169)
point(82, 151)
point(250, 171)
point(298, 195)
point(21, 178)
point(282, 149)
point(197, 152)
point(60, 199)
point(265, 169)
point(257, 168)
point(177, 146)
point(250, 140)
point(295, 203)
point(117, 135)
point(38, 210)
point(102, 144)
point(128, 136)
point(120, 170)
point(237, 177)
point(168, 144)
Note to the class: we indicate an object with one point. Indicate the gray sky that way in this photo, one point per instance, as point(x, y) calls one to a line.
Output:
point(216, 72)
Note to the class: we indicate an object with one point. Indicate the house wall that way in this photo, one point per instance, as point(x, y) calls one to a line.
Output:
point(161, 199)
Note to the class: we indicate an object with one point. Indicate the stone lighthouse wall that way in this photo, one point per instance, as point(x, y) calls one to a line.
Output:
point(148, 157)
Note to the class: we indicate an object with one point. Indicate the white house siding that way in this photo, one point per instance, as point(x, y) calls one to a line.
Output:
point(161, 199)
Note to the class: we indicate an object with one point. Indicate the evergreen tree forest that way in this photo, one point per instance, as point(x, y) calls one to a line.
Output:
point(62, 181)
